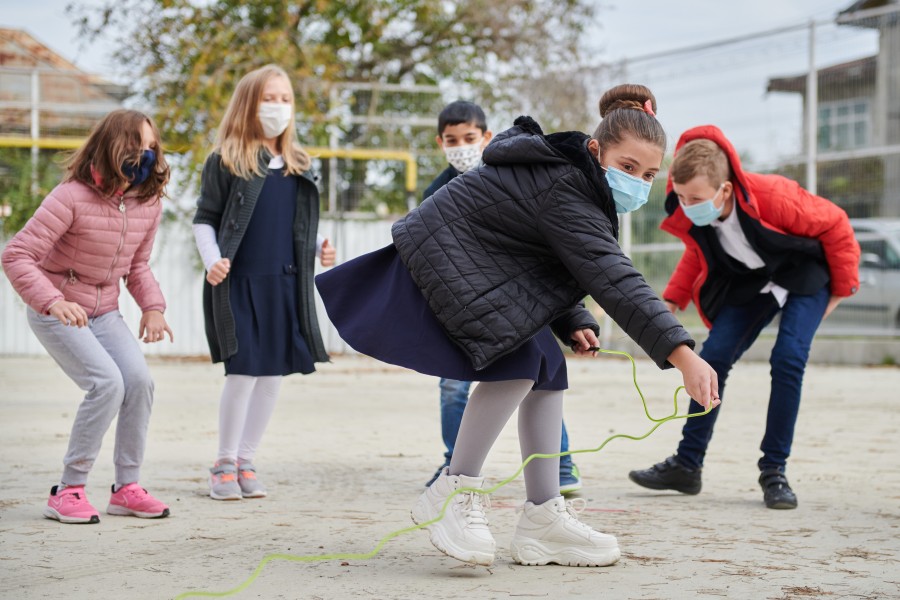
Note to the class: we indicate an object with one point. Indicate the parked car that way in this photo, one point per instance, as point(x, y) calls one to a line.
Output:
point(877, 303)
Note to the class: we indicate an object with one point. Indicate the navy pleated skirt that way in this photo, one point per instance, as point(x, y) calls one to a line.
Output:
point(264, 292)
point(379, 311)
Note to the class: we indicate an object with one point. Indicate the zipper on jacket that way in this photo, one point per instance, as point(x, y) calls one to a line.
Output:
point(118, 251)
point(121, 239)
point(67, 280)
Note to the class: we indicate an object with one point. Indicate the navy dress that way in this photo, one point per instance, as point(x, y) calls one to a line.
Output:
point(377, 308)
point(264, 291)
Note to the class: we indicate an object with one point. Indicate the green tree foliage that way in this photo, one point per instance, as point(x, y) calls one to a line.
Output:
point(16, 184)
point(186, 56)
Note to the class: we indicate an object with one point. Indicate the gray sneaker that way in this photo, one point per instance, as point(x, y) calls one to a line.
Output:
point(223, 483)
point(250, 485)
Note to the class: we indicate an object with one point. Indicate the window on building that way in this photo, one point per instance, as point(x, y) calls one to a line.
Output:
point(844, 125)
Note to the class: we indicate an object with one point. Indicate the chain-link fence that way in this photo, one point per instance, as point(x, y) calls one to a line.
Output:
point(837, 134)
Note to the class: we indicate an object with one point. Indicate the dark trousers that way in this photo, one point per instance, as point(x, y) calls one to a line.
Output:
point(734, 330)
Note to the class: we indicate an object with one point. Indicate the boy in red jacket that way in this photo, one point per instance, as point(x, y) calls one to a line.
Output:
point(755, 246)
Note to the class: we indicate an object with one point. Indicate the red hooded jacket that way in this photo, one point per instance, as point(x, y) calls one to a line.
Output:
point(804, 239)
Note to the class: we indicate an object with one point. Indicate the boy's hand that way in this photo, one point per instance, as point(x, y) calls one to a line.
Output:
point(673, 308)
point(69, 313)
point(328, 254)
point(832, 304)
point(583, 340)
point(153, 327)
point(218, 272)
point(700, 380)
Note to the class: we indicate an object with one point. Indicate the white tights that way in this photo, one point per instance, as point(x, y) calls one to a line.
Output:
point(244, 411)
point(490, 406)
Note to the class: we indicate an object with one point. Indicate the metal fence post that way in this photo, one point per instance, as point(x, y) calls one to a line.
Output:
point(35, 129)
point(812, 113)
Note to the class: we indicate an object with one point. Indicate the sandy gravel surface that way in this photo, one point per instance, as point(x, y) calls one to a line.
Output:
point(351, 446)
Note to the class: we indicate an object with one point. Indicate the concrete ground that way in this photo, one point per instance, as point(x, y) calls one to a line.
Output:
point(351, 446)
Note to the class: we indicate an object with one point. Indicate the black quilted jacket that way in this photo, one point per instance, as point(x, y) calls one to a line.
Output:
point(503, 250)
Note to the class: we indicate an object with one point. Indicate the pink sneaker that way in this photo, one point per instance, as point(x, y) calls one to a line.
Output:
point(70, 505)
point(133, 501)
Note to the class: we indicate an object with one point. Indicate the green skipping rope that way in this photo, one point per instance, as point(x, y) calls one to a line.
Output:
point(384, 540)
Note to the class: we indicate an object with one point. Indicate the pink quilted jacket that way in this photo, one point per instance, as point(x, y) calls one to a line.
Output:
point(78, 245)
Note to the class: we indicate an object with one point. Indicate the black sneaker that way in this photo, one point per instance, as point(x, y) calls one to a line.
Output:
point(777, 492)
point(668, 475)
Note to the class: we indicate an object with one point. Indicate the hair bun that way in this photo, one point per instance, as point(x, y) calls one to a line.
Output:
point(627, 95)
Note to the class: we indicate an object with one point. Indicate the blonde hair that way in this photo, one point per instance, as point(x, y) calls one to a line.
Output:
point(701, 157)
point(240, 135)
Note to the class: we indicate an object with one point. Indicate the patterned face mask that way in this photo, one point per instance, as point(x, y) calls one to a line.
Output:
point(463, 158)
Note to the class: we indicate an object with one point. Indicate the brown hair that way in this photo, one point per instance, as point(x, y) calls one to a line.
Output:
point(240, 135)
point(701, 157)
point(114, 141)
point(623, 114)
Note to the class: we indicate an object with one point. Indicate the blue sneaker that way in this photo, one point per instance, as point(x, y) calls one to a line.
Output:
point(569, 478)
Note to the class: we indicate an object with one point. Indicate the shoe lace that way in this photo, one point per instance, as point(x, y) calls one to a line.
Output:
point(472, 505)
point(575, 507)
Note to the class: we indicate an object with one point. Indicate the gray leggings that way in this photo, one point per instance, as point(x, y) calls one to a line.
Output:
point(105, 360)
point(490, 406)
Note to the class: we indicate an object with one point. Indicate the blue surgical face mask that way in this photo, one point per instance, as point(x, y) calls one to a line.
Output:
point(704, 213)
point(629, 192)
point(138, 173)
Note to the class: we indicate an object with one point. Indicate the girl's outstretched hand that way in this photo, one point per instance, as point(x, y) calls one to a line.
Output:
point(153, 327)
point(328, 254)
point(218, 272)
point(700, 380)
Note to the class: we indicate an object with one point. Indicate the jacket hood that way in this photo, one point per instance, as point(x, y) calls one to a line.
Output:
point(525, 143)
point(677, 219)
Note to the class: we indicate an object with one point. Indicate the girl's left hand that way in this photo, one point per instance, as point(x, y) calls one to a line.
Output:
point(583, 340)
point(154, 327)
point(328, 254)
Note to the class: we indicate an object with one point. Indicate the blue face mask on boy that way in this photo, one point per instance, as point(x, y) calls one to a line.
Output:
point(629, 192)
point(138, 173)
point(704, 213)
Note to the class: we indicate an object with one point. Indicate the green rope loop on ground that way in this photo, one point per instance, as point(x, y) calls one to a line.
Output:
point(383, 541)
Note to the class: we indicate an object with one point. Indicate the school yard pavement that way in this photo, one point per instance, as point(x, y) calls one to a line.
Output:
point(350, 447)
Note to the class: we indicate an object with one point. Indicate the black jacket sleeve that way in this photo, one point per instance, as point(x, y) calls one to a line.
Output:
point(582, 237)
point(571, 320)
point(215, 184)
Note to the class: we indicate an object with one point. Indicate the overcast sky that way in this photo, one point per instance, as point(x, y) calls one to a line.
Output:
point(627, 28)
point(734, 98)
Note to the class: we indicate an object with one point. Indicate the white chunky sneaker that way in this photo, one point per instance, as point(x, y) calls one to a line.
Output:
point(463, 533)
point(551, 533)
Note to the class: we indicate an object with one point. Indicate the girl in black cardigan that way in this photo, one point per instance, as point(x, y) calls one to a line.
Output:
point(255, 227)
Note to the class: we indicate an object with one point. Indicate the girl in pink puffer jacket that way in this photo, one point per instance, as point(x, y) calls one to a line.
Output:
point(96, 228)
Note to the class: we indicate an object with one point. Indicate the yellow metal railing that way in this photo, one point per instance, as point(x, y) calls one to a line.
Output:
point(66, 143)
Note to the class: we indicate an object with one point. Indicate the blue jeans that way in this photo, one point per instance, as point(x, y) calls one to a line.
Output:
point(454, 396)
point(734, 330)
